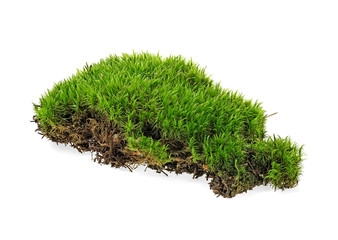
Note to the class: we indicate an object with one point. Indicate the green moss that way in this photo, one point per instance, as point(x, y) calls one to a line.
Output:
point(156, 100)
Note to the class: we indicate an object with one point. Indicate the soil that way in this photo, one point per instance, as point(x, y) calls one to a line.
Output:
point(94, 133)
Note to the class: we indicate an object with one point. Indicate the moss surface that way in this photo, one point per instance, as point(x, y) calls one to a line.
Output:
point(168, 114)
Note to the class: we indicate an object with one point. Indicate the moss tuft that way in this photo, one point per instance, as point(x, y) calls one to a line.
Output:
point(171, 116)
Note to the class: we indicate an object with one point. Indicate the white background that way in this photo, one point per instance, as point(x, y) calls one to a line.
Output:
point(283, 53)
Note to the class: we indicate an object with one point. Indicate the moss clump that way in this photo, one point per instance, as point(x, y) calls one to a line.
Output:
point(168, 114)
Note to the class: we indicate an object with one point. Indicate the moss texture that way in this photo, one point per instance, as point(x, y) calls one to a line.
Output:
point(167, 113)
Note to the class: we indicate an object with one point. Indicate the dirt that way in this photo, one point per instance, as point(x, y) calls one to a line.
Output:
point(91, 132)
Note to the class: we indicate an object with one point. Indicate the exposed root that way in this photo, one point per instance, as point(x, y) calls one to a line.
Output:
point(91, 132)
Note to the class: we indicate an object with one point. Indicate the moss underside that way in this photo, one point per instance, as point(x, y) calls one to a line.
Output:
point(95, 133)
point(166, 113)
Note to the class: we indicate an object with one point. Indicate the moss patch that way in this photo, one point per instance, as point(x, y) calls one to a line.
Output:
point(168, 114)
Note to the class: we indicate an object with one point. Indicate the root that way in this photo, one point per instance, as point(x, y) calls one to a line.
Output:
point(107, 144)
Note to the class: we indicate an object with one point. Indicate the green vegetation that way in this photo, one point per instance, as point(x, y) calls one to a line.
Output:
point(168, 110)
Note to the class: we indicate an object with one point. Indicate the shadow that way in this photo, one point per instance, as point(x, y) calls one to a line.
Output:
point(171, 176)
point(67, 149)
point(143, 171)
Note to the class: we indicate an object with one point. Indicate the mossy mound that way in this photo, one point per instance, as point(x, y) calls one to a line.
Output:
point(168, 114)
